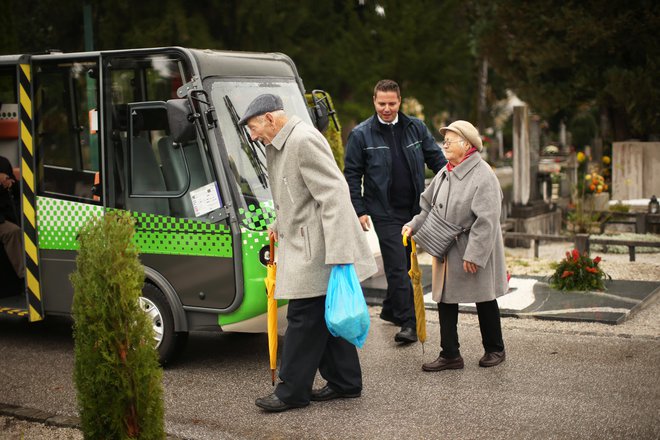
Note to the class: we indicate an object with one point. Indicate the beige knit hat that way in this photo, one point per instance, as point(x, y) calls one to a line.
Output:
point(467, 131)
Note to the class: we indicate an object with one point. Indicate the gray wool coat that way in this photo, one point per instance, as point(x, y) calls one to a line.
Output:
point(316, 223)
point(469, 196)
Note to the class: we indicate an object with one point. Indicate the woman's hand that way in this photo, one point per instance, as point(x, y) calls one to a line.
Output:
point(469, 267)
point(272, 234)
point(406, 231)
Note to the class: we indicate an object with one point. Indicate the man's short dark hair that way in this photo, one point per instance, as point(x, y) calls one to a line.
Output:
point(387, 85)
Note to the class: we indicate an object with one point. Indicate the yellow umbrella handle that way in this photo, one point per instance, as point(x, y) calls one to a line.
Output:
point(412, 243)
point(271, 257)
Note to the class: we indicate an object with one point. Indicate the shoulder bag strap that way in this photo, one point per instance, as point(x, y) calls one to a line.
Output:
point(435, 194)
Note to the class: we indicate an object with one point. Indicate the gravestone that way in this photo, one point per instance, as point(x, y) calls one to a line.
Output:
point(529, 213)
point(521, 157)
point(634, 170)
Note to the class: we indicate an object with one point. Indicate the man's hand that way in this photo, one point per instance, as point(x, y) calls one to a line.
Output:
point(469, 267)
point(365, 222)
point(272, 234)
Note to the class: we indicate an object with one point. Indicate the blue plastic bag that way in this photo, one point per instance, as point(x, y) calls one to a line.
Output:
point(346, 313)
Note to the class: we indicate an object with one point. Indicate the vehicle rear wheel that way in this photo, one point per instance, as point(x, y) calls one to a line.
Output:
point(158, 310)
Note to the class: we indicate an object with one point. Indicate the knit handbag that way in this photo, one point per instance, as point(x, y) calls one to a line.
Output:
point(436, 235)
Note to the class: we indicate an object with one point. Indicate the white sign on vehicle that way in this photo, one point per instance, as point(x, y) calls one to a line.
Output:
point(205, 199)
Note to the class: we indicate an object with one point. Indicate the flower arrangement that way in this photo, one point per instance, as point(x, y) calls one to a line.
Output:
point(594, 183)
point(578, 272)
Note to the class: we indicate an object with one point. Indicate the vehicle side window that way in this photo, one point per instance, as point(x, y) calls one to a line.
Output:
point(9, 115)
point(66, 136)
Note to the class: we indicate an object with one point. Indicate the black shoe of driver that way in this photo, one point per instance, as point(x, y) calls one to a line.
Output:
point(406, 336)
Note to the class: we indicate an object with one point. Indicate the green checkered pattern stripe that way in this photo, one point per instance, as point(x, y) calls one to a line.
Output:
point(59, 222)
point(258, 218)
point(253, 241)
point(157, 234)
point(254, 231)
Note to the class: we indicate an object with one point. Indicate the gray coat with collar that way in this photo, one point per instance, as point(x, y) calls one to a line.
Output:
point(316, 224)
point(469, 196)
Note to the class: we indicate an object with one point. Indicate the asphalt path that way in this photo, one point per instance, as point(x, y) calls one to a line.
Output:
point(559, 381)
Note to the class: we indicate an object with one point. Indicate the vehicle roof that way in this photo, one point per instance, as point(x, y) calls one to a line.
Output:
point(209, 62)
point(232, 63)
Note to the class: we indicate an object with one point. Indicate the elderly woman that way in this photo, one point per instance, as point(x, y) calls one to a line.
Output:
point(467, 193)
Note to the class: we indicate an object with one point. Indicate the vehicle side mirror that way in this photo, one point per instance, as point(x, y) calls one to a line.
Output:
point(322, 111)
point(179, 117)
point(320, 116)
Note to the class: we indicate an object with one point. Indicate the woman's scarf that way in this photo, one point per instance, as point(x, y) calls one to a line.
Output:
point(468, 154)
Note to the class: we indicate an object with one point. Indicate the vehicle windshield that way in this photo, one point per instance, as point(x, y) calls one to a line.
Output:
point(247, 159)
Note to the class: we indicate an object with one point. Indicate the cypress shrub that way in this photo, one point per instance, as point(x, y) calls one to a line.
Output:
point(116, 373)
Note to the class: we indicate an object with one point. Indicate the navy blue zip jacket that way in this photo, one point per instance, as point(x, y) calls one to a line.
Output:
point(367, 155)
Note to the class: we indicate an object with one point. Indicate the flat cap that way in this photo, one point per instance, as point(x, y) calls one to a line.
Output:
point(467, 131)
point(261, 104)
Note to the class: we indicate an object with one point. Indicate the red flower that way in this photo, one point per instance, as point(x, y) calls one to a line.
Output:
point(596, 260)
point(591, 269)
point(568, 255)
point(576, 255)
point(566, 274)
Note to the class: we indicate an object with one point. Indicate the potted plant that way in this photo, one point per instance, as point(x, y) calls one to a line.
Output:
point(578, 272)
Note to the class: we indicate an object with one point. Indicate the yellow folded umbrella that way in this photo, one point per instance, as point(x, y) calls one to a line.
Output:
point(415, 274)
point(271, 269)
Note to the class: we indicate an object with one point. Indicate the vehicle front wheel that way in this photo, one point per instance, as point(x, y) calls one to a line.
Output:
point(166, 340)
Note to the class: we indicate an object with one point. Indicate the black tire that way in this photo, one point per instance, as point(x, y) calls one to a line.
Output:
point(168, 343)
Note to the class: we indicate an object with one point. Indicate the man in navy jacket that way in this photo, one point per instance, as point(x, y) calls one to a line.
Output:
point(384, 168)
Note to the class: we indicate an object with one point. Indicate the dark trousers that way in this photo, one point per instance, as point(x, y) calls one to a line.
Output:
point(309, 346)
point(396, 263)
point(11, 237)
point(489, 324)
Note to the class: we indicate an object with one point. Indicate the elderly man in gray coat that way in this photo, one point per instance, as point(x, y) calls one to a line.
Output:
point(466, 192)
point(315, 231)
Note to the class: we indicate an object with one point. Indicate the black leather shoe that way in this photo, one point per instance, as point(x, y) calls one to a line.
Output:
point(272, 403)
point(491, 359)
point(327, 393)
point(406, 335)
point(444, 364)
point(389, 318)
